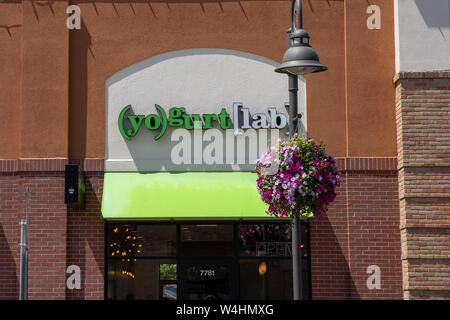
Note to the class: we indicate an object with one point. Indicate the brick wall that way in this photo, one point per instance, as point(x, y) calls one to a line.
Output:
point(57, 236)
point(423, 143)
point(86, 242)
point(361, 229)
point(46, 234)
point(9, 236)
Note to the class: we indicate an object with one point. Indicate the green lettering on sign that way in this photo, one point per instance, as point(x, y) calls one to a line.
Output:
point(179, 118)
point(164, 121)
point(151, 122)
point(121, 117)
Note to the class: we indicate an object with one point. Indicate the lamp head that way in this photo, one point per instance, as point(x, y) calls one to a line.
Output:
point(300, 58)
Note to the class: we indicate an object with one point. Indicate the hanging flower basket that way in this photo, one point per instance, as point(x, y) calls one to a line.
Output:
point(297, 177)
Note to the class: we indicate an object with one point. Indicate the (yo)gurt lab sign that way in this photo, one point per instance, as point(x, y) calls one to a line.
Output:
point(162, 116)
point(177, 117)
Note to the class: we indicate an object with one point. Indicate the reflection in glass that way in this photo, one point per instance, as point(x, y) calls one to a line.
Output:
point(207, 240)
point(168, 281)
point(169, 292)
point(265, 239)
point(269, 240)
point(132, 240)
point(269, 279)
point(140, 279)
point(141, 261)
point(168, 271)
point(208, 282)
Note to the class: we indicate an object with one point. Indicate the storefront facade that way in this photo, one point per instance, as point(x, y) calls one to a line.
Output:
point(170, 206)
point(210, 261)
point(182, 215)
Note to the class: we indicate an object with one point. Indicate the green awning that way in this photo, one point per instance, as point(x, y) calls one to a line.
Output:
point(188, 195)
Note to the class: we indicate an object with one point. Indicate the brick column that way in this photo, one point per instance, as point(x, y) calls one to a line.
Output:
point(423, 145)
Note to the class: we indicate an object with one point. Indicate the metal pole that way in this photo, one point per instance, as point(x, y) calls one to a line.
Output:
point(297, 259)
point(23, 286)
point(296, 232)
point(297, 278)
point(293, 109)
point(296, 23)
point(23, 290)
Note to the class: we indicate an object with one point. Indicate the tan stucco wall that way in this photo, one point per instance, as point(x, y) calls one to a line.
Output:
point(52, 96)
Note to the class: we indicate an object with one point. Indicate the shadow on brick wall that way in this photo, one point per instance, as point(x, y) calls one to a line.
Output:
point(85, 243)
point(330, 273)
point(9, 283)
point(79, 47)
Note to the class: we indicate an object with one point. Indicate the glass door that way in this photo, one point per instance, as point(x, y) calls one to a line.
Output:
point(212, 279)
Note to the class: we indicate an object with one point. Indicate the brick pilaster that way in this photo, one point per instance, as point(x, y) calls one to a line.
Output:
point(423, 145)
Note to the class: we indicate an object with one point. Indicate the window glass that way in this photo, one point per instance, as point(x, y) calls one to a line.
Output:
point(208, 281)
point(144, 240)
point(141, 279)
point(141, 261)
point(269, 279)
point(207, 240)
point(168, 271)
point(168, 281)
point(265, 239)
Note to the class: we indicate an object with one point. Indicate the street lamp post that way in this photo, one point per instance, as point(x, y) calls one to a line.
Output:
point(300, 58)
